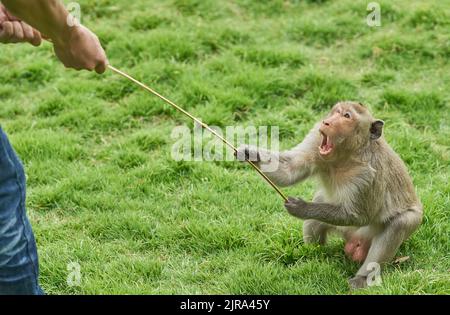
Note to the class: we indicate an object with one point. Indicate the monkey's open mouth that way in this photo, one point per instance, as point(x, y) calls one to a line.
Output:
point(326, 146)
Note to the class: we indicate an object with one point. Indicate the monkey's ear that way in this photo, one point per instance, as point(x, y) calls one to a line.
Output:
point(376, 129)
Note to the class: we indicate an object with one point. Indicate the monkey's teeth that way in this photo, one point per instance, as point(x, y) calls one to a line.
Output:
point(326, 146)
point(326, 149)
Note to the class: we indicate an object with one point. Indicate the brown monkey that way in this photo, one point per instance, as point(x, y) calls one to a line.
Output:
point(365, 192)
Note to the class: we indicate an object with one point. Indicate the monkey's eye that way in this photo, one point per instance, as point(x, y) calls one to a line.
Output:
point(347, 115)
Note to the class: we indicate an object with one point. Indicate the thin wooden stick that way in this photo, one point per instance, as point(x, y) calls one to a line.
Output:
point(145, 87)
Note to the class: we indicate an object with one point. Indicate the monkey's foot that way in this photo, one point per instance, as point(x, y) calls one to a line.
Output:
point(357, 249)
point(358, 282)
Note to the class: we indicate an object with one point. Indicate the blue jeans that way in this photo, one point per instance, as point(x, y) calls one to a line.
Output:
point(19, 268)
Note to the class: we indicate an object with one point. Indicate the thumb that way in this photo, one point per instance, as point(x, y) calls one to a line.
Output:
point(37, 38)
point(101, 66)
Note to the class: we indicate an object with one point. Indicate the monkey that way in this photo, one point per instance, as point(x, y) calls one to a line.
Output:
point(364, 194)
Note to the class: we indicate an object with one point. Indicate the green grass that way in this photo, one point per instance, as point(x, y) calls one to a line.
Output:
point(103, 190)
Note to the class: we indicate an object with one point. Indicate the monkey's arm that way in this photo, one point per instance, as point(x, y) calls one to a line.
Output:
point(324, 212)
point(288, 167)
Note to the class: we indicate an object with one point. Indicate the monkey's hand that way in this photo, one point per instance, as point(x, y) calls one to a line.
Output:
point(296, 207)
point(245, 152)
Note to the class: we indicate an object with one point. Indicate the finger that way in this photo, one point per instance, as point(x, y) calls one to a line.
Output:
point(250, 154)
point(102, 62)
point(3, 17)
point(83, 65)
point(6, 32)
point(289, 205)
point(71, 65)
point(101, 67)
point(27, 31)
point(78, 68)
point(37, 38)
point(18, 32)
point(290, 209)
point(238, 154)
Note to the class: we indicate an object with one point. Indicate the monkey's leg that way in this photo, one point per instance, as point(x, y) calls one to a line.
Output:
point(315, 231)
point(385, 244)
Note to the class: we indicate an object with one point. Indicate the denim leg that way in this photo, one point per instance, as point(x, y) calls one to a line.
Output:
point(19, 270)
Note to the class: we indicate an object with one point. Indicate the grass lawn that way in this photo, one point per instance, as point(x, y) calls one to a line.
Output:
point(103, 190)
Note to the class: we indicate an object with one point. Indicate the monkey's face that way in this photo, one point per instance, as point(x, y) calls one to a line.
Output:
point(345, 127)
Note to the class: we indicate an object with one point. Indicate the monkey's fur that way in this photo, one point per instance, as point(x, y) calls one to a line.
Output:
point(365, 193)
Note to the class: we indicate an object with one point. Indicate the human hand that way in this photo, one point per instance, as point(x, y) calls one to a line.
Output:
point(12, 30)
point(81, 50)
